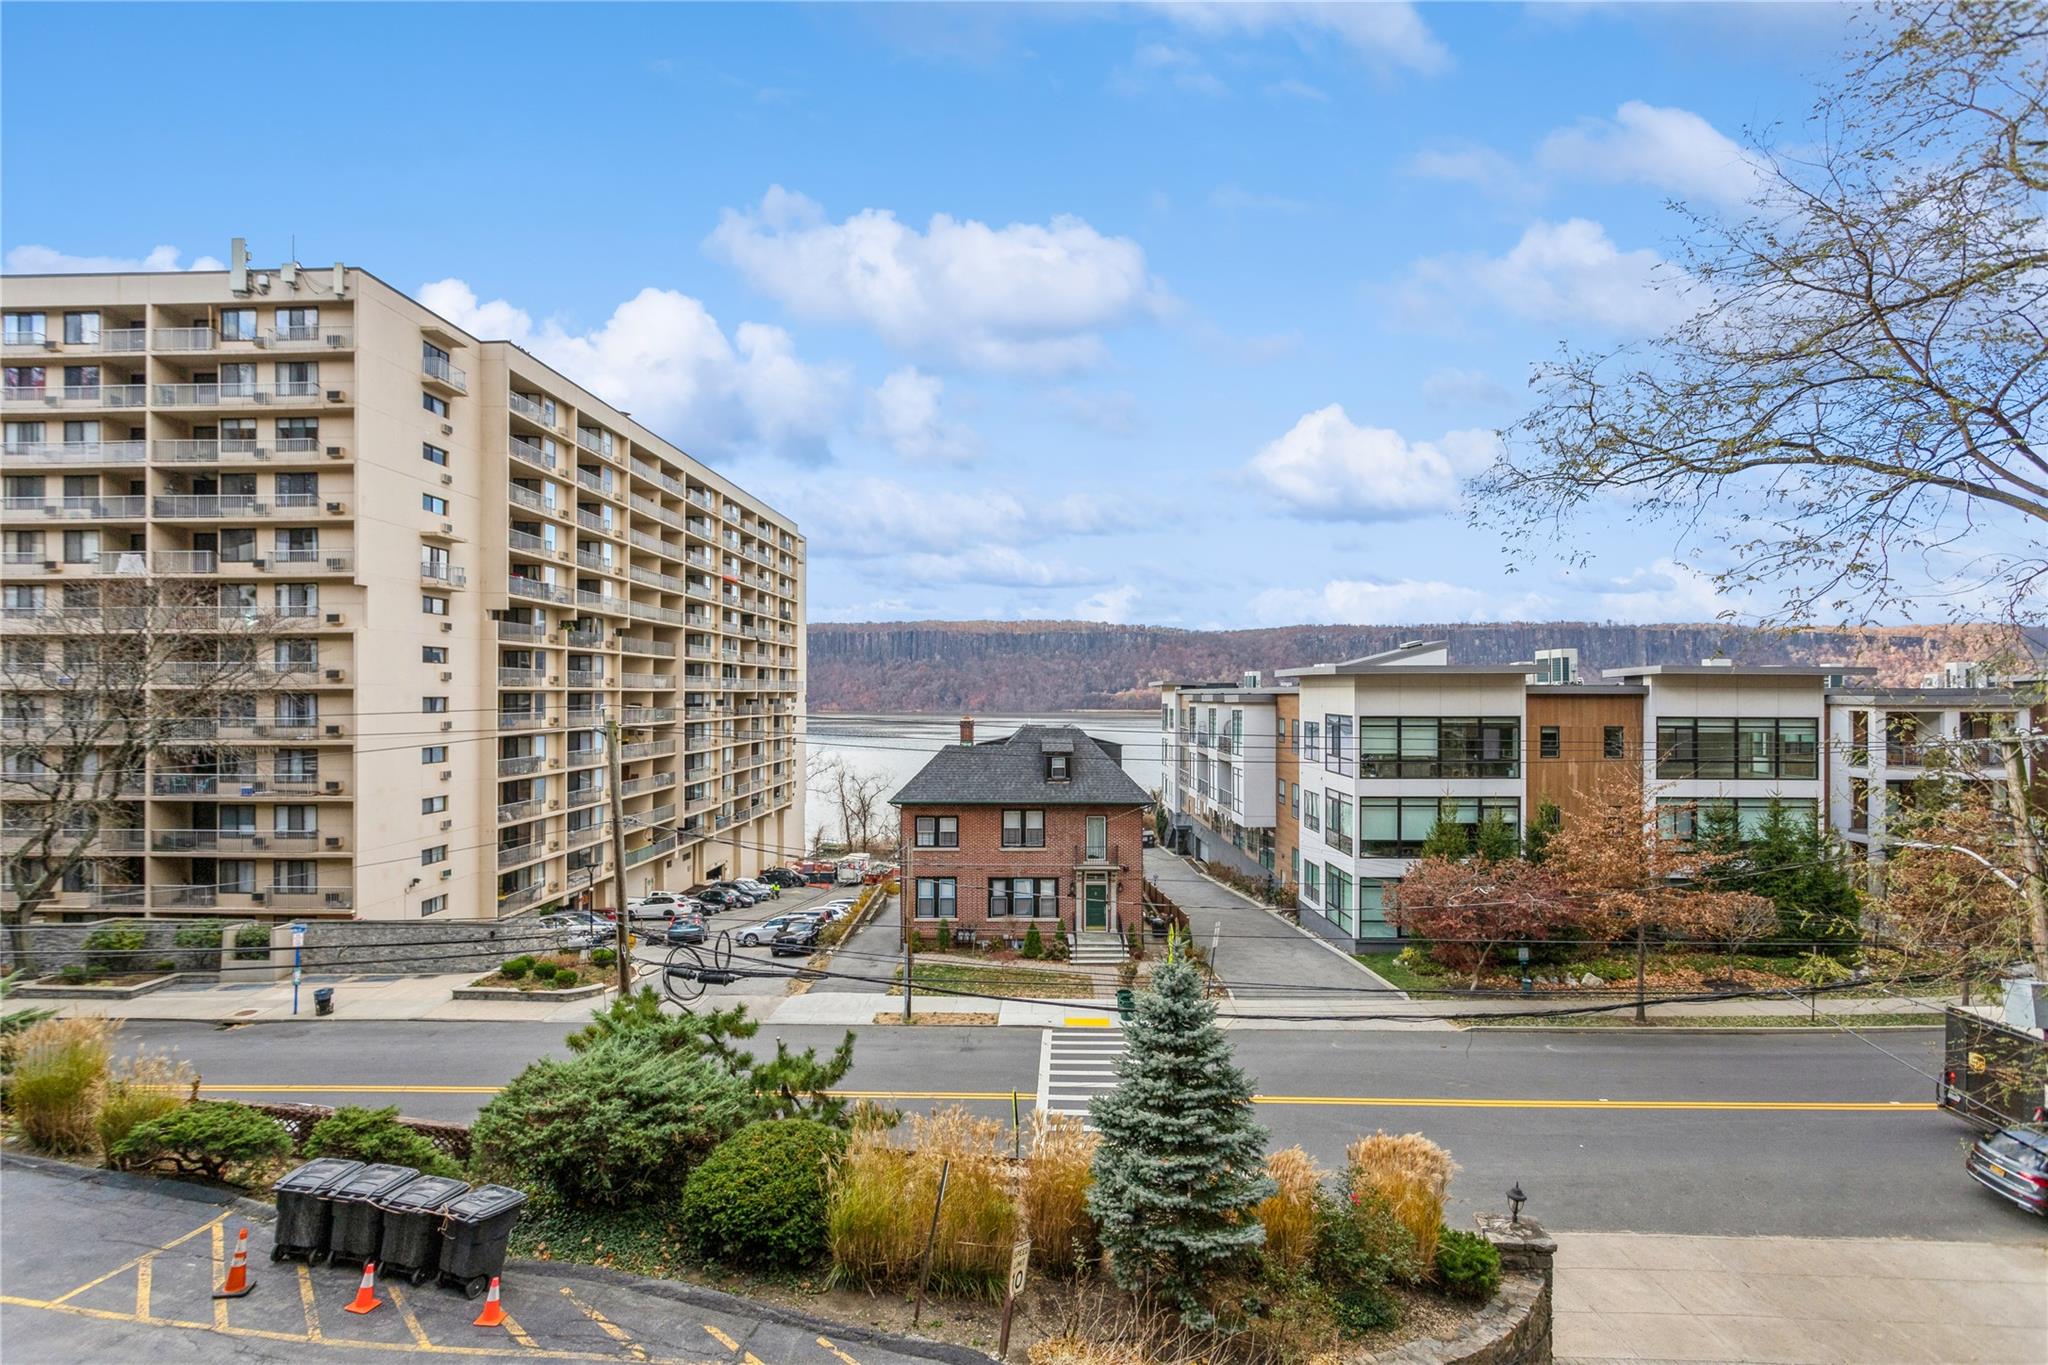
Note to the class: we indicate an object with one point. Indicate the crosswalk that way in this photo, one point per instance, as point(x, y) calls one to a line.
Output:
point(1076, 1064)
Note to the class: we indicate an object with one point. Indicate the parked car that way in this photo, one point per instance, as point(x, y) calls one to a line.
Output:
point(2013, 1163)
point(783, 876)
point(686, 928)
point(739, 888)
point(715, 899)
point(656, 905)
point(766, 890)
point(798, 939)
point(1147, 839)
point(754, 935)
point(592, 927)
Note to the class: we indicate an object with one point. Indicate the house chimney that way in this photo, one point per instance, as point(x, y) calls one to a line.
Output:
point(967, 729)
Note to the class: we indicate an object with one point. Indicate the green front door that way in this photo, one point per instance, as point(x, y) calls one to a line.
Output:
point(1097, 900)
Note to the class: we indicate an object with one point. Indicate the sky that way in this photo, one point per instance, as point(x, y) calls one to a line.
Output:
point(1188, 315)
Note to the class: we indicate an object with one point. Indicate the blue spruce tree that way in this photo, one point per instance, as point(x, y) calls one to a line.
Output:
point(1181, 1168)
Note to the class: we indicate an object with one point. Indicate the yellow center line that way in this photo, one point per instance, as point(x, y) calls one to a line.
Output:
point(1340, 1101)
point(306, 1302)
point(844, 1358)
point(605, 1325)
point(721, 1338)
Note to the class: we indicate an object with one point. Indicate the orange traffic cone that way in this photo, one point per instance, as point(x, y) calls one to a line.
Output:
point(238, 1282)
point(493, 1314)
point(366, 1294)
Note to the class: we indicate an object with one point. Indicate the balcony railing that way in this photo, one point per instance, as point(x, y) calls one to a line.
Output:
point(532, 411)
point(646, 749)
point(660, 649)
point(210, 505)
point(520, 766)
point(521, 677)
point(513, 811)
point(454, 376)
point(522, 630)
point(520, 853)
point(531, 453)
point(511, 901)
point(523, 720)
point(447, 575)
point(579, 797)
point(77, 508)
point(185, 338)
point(534, 588)
point(77, 452)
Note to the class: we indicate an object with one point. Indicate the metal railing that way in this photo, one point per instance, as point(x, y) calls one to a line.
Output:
point(454, 376)
point(77, 452)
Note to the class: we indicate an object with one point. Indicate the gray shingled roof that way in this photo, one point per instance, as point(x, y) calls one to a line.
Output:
point(1011, 772)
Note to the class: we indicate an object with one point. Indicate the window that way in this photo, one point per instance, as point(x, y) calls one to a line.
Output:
point(1686, 818)
point(1613, 741)
point(1023, 897)
point(1338, 756)
point(1438, 746)
point(1294, 798)
point(437, 406)
point(1310, 745)
point(295, 820)
point(433, 606)
point(1023, 829)
point(81, 329)
point(1548, 742)
point(298, 765)
point(434, 503)
point(433, 454)
point(1056, 767)
point(434, 706)
point(433, 905)
point(1098, 837)
point(437, 854)
point(298, 324)
point(26, 329)
point(937, 898)
point(1337, 822)
point(434, 753)
point(1337, 896)
point(433, 654)
point(238, 324)
point(1311, 812)
point(1395, 827)
point(1312, 883)
point(938, 831)
point(1749, 749)
point(433, 805)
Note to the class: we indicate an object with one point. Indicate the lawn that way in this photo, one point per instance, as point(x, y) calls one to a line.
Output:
point(1022, 981)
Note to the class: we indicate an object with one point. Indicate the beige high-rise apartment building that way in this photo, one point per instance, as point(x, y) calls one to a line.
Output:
point(475, 568)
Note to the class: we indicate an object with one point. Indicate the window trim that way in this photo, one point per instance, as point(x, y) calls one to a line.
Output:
point(1024, 830)
point(941, 826)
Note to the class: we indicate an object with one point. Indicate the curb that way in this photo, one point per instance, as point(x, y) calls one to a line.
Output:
point(1694, 1030)
point(254, 1210)
point(1316, 939)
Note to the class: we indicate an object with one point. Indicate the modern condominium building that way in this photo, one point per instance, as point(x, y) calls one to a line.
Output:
point(1332, 781)
point(479, 573)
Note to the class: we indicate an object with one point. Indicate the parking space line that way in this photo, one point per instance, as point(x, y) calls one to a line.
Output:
point(131, 1263)
point(220, 1306)
point(143, 1271)
point(605, 1325)
point(844, 1358)
point(518, 1333)
point(746, 1357)
point(411, 1319)
point(313, 1332)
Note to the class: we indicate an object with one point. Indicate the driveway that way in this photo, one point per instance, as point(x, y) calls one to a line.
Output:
point(105, 1267)
point(1260, 955)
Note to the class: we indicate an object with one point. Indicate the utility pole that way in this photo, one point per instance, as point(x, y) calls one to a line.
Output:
point(615, 803)
point(2030, 849)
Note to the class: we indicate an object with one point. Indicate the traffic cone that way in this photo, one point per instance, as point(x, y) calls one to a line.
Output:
point(366, 1294)
point(238, 1281)
point(493, 1315)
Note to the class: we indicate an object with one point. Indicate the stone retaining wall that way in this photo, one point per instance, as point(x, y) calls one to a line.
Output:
point(405, 948)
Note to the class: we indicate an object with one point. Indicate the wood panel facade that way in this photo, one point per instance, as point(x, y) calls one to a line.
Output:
point(1581, 718)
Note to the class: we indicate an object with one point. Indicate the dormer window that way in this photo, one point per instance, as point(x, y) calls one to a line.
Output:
point(1056, 767)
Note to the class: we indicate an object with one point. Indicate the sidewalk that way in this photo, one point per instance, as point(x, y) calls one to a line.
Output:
point(1631, 1296)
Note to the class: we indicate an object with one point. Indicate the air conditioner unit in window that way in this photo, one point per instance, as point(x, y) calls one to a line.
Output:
point(447, 873)
point(334, 452)
point(447, 824)
point(447, 677)
point(447, 627)
point(554, 682)
point(554, 805)
point(334, 675)
point(447, 725)
point(260, 729)
point(333, 618)
point(447, 479)
point(334, 788)
point(260, 396)
point(259, 842)
point(49, 566)
point(447, 774)
point(554, 845)
point(447, 528)
point(334, 395)
point(447, 429)
point(259, 563)
point(259, 342)
point(334, 841)
point(337, 565)
point(336, 340)
point(256, 896)
point(334, 731)
point(334, 507)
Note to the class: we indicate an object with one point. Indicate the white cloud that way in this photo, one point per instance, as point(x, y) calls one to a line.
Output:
point(1666, 590)
point(1237, 199)
point(1329, 468)
point(996, 565)
point(1387, 35)
point(663, 357)
point(905, 412)
point(1643, 144)
point(870, 518)
point(1465, 390)
point(1569, 272)
point(1112, 605)
point(1493, 172)
point(1370, 602)
point(43, 260)
point(1029, 296)
point(1156, 65)
point(1297, 90)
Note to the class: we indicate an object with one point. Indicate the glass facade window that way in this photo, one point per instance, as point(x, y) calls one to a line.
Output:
point(1396, 826)
point(938, 831)
point(937, 898)
point(1724, 748)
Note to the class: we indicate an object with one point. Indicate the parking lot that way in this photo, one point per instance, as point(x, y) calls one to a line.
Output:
point(654, 951)
point(112, 1268)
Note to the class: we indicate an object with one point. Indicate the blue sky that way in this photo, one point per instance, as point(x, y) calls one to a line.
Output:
point(1189, 315)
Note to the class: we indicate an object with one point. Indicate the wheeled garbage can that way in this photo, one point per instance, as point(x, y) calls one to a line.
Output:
point(304, 1213)
point(358, 1223)
point(412, 1226)
point(474, 1230)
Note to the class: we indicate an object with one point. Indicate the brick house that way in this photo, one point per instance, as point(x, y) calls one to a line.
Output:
point(1041, 826)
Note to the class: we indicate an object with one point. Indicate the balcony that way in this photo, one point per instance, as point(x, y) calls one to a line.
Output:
point(659, 649)
point(302, 338)
point(520, 766)
point(184, 338)
point(538, 591)
point(25, 454)
point(541, 414)
point(516, 854)
point(513, 812)
point(647, 682)
point(524, 720)
point(646, 749)
point(77, 508)
point(216, 506)
point(76, 395)
point(636, 856)
point(531, 454)
point(585, 758)
point(649, 715)
point(589, 834)
point(579, 797)
point(522, 677)
point(442, 376)
point(510, 902)
point(639, 785)
point(522, 630)
point(444, 575)
point(288, 392)
point(278, 843)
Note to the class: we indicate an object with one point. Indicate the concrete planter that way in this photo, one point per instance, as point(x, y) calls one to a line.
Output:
point(577, 992)
point(85, 990)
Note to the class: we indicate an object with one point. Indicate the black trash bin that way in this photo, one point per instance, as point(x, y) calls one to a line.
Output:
point(323, 1000)
point(474, 1230)
point(358, 1229)
point(412, 1226)
point(303, 1211)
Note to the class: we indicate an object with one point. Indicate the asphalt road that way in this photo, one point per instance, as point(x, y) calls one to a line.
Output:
point(1664, 1133)
point(1259, 954)
point(868, 954)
